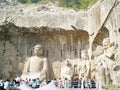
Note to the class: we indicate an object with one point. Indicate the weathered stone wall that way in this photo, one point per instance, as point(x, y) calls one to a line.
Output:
point(111, 29)
point(98, 15)
point(58, 44)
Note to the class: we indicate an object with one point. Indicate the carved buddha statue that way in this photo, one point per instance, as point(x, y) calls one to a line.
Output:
point(36, 66)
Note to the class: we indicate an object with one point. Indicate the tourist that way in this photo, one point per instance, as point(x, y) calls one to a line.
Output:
point(12, 83)
point(34, 83)
point(60, 83)
point(6, 85)
point(30, 83)
point(66, 83)
point(26, 81)
point(1, 83)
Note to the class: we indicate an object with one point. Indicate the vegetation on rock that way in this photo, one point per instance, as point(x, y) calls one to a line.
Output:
point(112, 87)
point(75, 4)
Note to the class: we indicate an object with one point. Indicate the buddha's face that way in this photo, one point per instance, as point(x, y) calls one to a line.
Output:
point(67, 62)
point(106, 43)
point(84, 55)
point(38, 51)
point(99, 50)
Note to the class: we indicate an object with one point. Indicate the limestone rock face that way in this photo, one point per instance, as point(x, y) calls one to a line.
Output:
point(63, 33)
point(53, 17)
point(8, 2)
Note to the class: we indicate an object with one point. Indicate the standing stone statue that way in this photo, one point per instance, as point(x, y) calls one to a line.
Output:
point(101, 77)
point(84, 70)
point(36, 66)
point(100, 67)
point(109, 49)
point(67, 70)
point(109, 54)
point(105, 56)
point(7, 70)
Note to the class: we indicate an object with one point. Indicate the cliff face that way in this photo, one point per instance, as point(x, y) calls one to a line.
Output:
point(63, 33)
point(54, 17)
point(44, 15)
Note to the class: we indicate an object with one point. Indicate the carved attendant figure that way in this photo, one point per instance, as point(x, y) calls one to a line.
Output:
point(84, 66)
point(7, 70)
point(67, 70)
point(105, 56)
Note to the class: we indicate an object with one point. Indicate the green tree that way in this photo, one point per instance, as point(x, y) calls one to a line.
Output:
point(76, 4)
point(22, 1)
point(35, 1)
point(84, 3)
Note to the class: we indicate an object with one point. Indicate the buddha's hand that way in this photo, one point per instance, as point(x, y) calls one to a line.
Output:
point(42, 76)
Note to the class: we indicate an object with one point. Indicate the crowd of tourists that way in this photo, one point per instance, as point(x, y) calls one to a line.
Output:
point(75, 83)
point(60, 83)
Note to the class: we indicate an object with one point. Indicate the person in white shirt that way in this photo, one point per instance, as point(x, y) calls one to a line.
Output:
point(6, 85)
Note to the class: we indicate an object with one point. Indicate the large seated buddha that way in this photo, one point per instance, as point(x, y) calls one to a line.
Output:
point(36, 66)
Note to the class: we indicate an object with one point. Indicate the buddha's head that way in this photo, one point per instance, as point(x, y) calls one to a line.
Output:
point(99, 50)
point(68, 63)
point(38, 50)
point(106, 43)
point(8, 62)
point(84, 55)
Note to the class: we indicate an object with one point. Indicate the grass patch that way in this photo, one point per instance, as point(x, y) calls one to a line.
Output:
point(112, 87)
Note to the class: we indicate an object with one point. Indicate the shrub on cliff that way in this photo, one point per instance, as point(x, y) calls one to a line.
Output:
point(77, 4)
point(74, 4)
